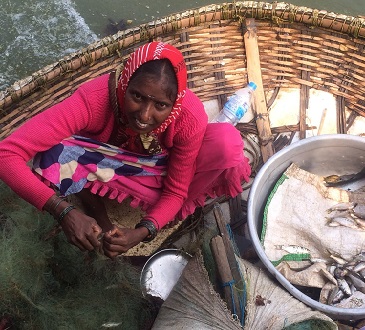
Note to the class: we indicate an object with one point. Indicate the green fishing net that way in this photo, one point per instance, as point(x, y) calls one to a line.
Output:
point(50, 284)
point(313, 324)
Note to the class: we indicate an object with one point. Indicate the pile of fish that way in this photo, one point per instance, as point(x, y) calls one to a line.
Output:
point(347, 277)
point(349, 214)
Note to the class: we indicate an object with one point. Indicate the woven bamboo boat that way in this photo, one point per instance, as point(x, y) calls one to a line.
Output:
point(299, 50)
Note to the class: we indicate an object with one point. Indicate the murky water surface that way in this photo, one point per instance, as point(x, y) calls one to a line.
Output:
point(35, 33)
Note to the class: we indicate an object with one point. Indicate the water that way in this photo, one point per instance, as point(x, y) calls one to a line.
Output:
point(35, 33)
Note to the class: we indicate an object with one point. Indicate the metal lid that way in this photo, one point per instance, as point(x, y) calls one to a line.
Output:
point(162, 271)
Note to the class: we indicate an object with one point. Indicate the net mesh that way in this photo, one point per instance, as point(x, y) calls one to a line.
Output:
point(50, 284)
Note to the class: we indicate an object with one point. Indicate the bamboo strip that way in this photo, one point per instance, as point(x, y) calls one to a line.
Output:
point(299, 48)
point(224, 271)
point(254, 74)
point(233, 265)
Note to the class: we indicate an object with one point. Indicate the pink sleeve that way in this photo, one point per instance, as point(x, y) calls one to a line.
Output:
point(38, 134)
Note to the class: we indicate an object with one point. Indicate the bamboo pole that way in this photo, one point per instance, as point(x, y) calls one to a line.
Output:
point(231, 257)
point(303, 105)
point(254, 74)
point(224, 271)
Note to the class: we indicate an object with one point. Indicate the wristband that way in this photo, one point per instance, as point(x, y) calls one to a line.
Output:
point(64, 212)
point(151, 229)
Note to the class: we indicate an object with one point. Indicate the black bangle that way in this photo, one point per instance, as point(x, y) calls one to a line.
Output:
point(151, 229)
point(64, 212)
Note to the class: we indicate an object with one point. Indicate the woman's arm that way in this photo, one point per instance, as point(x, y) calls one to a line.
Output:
point(75, 114)
point(80, 229)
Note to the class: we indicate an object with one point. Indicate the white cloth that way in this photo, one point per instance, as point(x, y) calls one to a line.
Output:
point(296, 215)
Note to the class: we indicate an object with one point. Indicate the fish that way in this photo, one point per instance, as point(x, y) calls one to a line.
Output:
point(360, 223)
point(295, 249)
point(338, 213)
point(331, 269)
point(345, 278)
point(359, 211)
point(345, 221)
point(111, 324)
point(335, 296)
point(340, 272)
point(350, 265)
point(338, 259)
point(332, 179)
point(331, 223)
point(324, 260)
point(325, 292)
point(359, 267)
point(357, 282)
point(362, 273)
point(339, 180)
point(360, 257)
point(344, 286)
point(342, 207)
point(329, 276)
point(352, 288)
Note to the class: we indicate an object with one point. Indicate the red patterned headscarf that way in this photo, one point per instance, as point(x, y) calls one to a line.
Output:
point(156, 51)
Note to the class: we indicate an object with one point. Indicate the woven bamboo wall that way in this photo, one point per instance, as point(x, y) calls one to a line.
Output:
point(299, 47)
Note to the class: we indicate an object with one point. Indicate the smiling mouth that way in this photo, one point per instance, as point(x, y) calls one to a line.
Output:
point(140, 124)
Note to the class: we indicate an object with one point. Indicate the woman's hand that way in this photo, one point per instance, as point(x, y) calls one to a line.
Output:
point(120, 240)
point(81, 230)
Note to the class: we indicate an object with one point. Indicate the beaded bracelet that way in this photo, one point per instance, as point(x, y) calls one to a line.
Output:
point(64, 212)
point(151, 229)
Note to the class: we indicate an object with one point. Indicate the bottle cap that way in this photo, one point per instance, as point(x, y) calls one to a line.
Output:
point(252, 85)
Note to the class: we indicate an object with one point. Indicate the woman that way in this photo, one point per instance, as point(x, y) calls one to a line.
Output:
point(162, 153)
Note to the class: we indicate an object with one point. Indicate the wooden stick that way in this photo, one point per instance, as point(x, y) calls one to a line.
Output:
point(252, 128)
point(303, 106)
point(254, 74)
point(231, 256)
point(224, 271)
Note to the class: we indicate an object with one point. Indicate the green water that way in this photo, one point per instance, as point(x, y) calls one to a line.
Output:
point(147, 10)
point(35, 33)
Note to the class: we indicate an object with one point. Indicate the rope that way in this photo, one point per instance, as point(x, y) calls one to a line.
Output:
point(271, 195)
point(230, 284)
point(292, 257)
point(242, 298)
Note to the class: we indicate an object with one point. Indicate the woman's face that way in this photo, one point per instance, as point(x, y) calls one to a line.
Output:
point(146, 104)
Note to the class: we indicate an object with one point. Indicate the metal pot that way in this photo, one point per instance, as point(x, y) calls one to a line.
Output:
point(324, 155)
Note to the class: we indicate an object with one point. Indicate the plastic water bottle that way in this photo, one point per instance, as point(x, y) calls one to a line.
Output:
point(236, 106)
